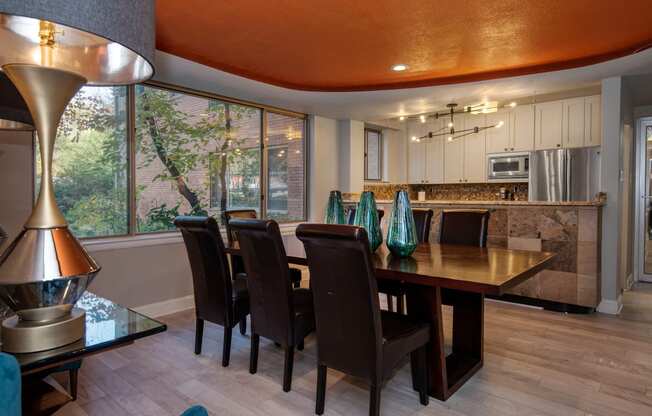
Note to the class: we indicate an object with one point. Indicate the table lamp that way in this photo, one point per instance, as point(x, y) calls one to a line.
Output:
point(50, 50)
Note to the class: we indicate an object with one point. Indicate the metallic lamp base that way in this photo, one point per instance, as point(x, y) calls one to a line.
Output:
point(25, 336)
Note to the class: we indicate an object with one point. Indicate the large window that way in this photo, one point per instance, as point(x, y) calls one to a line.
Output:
point(126, 169)
point(194, 156)
point(90, 162)
point(285, 167)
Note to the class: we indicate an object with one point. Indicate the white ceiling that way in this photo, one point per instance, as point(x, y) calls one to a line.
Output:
point(377, 105)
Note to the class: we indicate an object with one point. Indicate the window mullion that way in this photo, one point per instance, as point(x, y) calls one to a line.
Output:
point(263, 165)
point(131, 152)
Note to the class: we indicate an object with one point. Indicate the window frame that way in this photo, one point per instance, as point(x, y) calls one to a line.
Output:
point(132, 225)
point(381, 140)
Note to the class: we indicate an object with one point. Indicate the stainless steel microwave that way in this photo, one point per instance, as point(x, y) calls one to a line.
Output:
point(509, 167)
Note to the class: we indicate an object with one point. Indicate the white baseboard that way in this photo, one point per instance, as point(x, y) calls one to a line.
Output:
point(167, 307)
point(611, 307)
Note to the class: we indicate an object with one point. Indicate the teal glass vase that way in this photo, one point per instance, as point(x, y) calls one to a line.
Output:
point(402, 231)
point(367, 216)
point(335, 209)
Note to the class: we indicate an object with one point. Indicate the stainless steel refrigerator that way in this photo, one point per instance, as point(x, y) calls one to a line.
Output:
point(564, 174)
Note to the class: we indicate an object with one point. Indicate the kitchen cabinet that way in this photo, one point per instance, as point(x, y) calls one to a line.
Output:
point(548, 125)
point(517, 132)
point(498, 140)
point(521, 128)
point(573, 122)
point(416, 153)
point(426, 158)
point(465, 157)
point(592, 121)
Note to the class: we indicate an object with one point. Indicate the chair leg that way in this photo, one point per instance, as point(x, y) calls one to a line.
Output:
point(72, 381)
point(253, 356)
point(321, 389)
point(420, 361)
point(300, 345)
point(226, 348)
point(243, 326)
point(400, 304)
point(199, 335)
point(374, 399)
point(390, 303)
point(287, 371)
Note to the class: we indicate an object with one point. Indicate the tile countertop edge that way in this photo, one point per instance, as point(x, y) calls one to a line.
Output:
point(597, 203)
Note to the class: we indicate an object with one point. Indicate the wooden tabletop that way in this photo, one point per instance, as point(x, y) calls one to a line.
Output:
point(473, 269)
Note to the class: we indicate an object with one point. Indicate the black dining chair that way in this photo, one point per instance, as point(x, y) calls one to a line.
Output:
point(278, 312)
point(353, 335)
point(350, 215)
point(464, 226)
point(237, 265)
point(422, 221)
point(218, 298)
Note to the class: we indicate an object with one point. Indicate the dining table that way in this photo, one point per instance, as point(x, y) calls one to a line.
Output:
point(442, 274)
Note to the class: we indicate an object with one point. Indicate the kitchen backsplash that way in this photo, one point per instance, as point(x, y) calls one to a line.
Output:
point(448, 192)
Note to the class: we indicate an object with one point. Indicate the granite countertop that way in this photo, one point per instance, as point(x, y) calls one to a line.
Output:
point(595, 203)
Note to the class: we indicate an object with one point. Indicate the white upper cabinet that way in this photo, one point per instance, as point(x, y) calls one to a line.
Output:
point(426, 158)
point(592, 121)
point(548, 122)
point(521, 128)
point(454, 161)
point(574, 122)
point(475, 159)
point(465, 157)
point(498, 139)
point(416, 153)
point(435, 160)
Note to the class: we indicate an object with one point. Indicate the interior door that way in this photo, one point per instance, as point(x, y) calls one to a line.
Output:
point(644, 204)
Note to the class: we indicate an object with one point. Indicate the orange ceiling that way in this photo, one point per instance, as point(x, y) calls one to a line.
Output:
point(350, 45)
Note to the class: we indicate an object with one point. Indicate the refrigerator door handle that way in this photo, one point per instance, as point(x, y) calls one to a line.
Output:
point(567, 175)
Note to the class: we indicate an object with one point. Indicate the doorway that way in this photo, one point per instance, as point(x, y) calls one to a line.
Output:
point(644, 199)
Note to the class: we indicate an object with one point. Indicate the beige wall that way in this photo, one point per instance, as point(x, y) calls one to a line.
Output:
point(16, 187)
point(322, 165)
point(143, 275)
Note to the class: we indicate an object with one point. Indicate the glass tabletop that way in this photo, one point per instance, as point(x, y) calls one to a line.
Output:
point(107, 325)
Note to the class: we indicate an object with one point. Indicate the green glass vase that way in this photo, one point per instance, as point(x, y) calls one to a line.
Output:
point(367, 216)
point(335, 209)
point(402, 232)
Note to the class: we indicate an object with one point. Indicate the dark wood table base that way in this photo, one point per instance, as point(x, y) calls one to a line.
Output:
point(449, 373)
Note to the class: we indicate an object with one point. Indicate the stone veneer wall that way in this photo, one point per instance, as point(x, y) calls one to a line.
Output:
point(449, 192)
point(572, 232)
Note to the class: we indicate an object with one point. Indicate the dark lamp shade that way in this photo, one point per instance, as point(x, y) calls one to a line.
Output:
point(106, 42)
point(14, 114)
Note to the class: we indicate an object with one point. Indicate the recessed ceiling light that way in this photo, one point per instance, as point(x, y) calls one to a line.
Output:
point(422, 118)
point(399, 67)
point(401, 118)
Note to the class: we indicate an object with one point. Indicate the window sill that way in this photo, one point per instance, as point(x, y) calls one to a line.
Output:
point(149, 240)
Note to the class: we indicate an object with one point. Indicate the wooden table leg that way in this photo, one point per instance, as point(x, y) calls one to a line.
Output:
point(424, 303)
point(468, 337)
point(448, 373)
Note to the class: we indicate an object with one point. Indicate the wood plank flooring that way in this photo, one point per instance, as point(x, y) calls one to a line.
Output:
point(536, 363)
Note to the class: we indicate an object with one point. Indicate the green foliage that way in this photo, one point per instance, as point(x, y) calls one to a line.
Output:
point(90, 169)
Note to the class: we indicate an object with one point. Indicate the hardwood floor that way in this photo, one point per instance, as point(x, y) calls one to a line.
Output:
point(536, 363)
